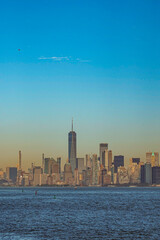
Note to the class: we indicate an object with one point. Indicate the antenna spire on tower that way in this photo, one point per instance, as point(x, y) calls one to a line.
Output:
point(72, 124)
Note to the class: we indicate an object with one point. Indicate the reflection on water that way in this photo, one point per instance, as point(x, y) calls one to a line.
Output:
point(83, 213)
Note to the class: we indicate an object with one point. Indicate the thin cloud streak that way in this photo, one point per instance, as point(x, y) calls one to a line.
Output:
point(64, 59)
point(54, 58)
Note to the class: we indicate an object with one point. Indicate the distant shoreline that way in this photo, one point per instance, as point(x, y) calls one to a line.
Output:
point(75, 187)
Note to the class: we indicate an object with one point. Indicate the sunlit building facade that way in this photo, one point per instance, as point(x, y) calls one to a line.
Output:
point(152, 158)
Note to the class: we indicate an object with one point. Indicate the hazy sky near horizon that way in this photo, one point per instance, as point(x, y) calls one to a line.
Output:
point(95, 61)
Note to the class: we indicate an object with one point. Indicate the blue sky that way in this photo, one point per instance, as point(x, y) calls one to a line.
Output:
point(95, 61)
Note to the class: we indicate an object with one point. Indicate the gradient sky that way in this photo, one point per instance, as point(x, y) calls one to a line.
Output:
point(96, 61)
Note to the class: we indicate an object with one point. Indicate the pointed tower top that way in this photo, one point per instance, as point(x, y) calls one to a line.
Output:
point(72, 124)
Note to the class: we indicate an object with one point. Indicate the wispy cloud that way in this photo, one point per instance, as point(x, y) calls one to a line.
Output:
point(64, 59)
point(54, 58)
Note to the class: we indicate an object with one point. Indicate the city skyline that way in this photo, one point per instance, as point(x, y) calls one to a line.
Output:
point(21, 162)
point(97, 62)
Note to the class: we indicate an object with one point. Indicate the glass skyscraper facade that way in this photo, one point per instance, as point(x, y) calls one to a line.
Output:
point(102, 148)
point(72, 149)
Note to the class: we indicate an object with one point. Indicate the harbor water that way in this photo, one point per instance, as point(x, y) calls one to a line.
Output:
point(82, 213)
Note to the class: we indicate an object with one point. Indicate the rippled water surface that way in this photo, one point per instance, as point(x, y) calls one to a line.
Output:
point(84, 213)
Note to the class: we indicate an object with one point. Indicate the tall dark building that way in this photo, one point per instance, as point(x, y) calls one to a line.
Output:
point(11, 173)
point(156, 175)
point(143, 174)
point(118, 161)
point(59, 163)
point(102, 148)
point(72, 148)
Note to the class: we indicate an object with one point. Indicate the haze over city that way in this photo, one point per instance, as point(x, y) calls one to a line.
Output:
point(95, 61)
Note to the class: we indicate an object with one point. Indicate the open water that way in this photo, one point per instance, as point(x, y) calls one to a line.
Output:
point(84, 213)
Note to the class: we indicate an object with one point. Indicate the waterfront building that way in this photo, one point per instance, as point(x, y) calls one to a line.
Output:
point(46, 165)
point(19, 170)
point(103, 172)
point(54, 168)
point(11, 174)
point(107, 179)
point(80, 164)
point(105, 159)
point(102, 148)
point(88, 177)
point(50, 180)
point(143, 174)
point(88, 161)
point(37, 171)
point(26, 179)
point(76, 176)
point(44, 179)
point(109, 160)
point(80, 177)
point(148, 173)
point(72, 149)
point(122, 175)
point(55, 178)
point(55, 172)
point(104, 178)
point(43, 162)
point(112, 174)
point(118, 162)
point(156, 175)
point(59, 164)
point(94, 169)
point(48, 162)
point(115, 178)
point(68, 176)
point(134, 173)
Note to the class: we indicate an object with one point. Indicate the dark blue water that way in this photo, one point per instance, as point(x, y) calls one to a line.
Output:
point(85, 213)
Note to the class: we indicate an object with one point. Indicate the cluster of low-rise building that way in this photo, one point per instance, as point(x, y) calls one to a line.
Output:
point(89, 171)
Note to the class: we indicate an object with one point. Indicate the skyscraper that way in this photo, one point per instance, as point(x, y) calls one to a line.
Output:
point(43, 162)
point(88, 161)
point(94, 169)
point(72, 148)
point(153, 158)
point(48, 162)
point(80, 164)
point(148, 173)
point(118, 161)
point(109, 160)
point(102, 148)
point(19, 161)
point(59, 163)
point(11, 174)
point(156, 175)
point(105, 159)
